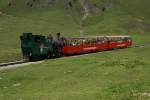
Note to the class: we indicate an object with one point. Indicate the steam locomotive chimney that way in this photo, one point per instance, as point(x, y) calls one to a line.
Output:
point(58, 36)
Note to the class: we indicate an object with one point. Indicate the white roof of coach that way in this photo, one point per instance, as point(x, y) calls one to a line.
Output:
point(96, 37)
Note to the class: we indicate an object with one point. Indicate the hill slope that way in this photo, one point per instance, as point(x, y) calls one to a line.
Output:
point(122, 17)
point(113, 75)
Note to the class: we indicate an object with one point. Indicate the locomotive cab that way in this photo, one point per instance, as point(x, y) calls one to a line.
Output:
point(36, 47)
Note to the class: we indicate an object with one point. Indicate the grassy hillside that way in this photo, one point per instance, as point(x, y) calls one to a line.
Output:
point(112, 75)
point(124, 17)
point(14, 22)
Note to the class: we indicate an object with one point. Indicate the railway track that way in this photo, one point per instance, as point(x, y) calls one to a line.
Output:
point(142, 45)
point(26, 62)
point(12, 63)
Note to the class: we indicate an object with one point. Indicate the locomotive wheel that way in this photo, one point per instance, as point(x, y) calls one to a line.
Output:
point(50, 55)
point(26, 58)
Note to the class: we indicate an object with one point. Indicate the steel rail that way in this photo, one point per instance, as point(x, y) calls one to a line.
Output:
point(12, 63)
point(23, 61)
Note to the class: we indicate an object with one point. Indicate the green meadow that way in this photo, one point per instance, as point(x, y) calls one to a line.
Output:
point(111, 75)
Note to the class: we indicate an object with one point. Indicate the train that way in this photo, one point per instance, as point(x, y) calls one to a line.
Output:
point(39, 47)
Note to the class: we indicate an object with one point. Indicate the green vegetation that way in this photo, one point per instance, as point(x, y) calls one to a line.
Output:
point(125, 17)
point(112, 75)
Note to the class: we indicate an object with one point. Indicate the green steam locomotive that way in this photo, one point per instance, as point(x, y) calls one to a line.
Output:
point(38, 47)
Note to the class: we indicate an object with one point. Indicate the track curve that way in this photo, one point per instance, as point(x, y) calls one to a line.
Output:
point(23, 62)
point(12, 63)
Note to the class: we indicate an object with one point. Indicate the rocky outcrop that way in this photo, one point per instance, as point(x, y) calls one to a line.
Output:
point(85, 6)
point(1, 13)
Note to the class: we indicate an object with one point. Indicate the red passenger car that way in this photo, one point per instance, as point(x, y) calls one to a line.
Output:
point(94, 44)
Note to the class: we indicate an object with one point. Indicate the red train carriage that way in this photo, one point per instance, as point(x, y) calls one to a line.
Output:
point(37, 47)
point(94, 44)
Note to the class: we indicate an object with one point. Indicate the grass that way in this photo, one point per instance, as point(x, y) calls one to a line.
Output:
point(120, 19)
point(12, 27)
point(111, 75)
